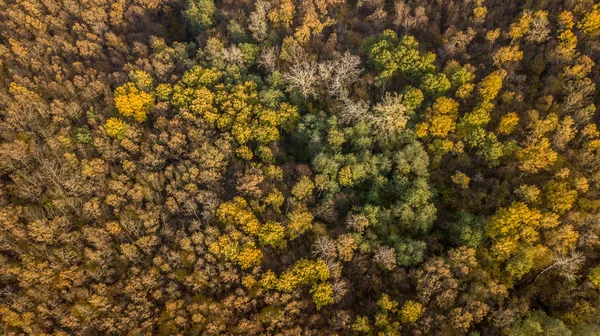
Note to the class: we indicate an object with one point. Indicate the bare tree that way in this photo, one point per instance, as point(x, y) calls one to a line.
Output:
point(386, 257)
point(386, 117)
point(567, 265)
point(268, 58)
point(258, 20)
point(303, 75)
point(345, 71)
point(324, 247)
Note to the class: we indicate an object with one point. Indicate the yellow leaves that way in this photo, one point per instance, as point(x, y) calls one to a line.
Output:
point(492, 35)
point(594, 276)
point(298, 223)
point(512, 226)
point(115, 128)
point(479, 14)
point(567, 44)
point(142, 80)
point(563, 239)
point(17, 48)
point(313, 22)
point(21, 92)
point(508, 123)
point(361, 324)
point(198, 76)
point(236, 110)
point(444, 105)
point(507, 54)
point(387, 304)
point(244, 153)
point(536, 156)
point(304, 272)
point(581, 184)
point(14, 319)
point(287, 116)
point(529, 193)
point(269, 280)
point(236, 212)
point(520, 28)
point(94, 167)
point(275, 199)
point(272, 233)
point(163, 92)
point(565, 20)
point(440, 118)
point(464, 91)
point(241, 133)
point(246, 256)
point(322, 294)
point(273, 172)
point(248, 281)
point(422, 129)
point(303, 188)
point(559, 196)
point(346, 245)
point(131, 102)
point(411, 311)
point(461, 180)
point(284, 15)
point(202, 104)
point(249, 256)
point(489, 87)
point(225, 246)
point(590, 24)
point(345, 176)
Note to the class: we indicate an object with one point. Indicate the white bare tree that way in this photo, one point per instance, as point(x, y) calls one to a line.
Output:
point(386, 117)
point(324, 247)
point(258, 20)
point(566, 265)
point(303, 75)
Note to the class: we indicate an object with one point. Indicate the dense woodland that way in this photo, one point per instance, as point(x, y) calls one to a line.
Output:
point(299, 167)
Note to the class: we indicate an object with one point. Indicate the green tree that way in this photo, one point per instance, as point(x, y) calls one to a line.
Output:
point(199, 14)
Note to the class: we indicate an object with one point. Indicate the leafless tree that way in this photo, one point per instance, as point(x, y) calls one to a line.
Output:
point(303, 75)
point(324, 247)
point(268, 58)
point(258, 20)
point(386, 117)
point(566, 265)
point(386, 257)
point(345, 71)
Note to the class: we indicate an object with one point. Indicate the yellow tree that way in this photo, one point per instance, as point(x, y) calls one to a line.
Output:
point(132, 102)
point(536, 156)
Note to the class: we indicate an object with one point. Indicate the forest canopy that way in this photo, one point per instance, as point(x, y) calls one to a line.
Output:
point(299, 167)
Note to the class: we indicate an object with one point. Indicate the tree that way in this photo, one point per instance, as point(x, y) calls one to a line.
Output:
point(508, 123)
point(199, 14)
point(538, 323)
point(299, 221)
point(489, 87)
point(512, 227)
point(115, 128)
point(273, 234)
point(441, 117)
point(391, 55)
point(132, 102)
point(411, 311)
point(258, 21)
point(589, 24)
point(322, 294)
point(536, 156)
